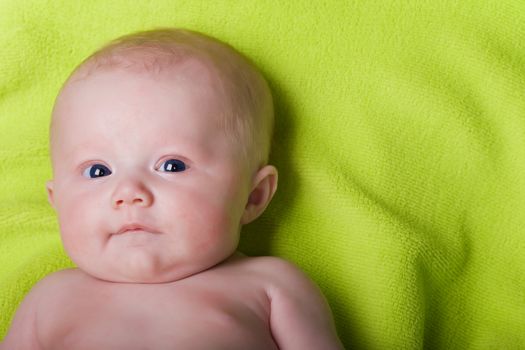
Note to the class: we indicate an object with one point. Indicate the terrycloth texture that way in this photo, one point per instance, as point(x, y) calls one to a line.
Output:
point(400, 140)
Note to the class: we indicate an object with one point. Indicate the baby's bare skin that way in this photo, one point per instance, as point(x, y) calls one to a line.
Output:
point(151, 194)
point(229, 306)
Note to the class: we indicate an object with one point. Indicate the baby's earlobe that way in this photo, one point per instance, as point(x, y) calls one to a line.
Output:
point(50, 198)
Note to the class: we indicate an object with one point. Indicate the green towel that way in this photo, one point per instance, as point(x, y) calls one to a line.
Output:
point(400, 141)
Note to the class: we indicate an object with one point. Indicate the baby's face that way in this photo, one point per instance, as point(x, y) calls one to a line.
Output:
point(131, 149)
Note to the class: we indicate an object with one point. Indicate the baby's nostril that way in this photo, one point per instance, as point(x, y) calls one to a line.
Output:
point(134, 201)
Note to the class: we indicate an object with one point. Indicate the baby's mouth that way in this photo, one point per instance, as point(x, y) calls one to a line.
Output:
point(133, 227)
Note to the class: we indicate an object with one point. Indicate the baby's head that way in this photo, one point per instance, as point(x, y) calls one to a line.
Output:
point(169, 132)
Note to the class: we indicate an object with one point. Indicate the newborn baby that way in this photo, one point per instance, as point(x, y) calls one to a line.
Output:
point(159, 146)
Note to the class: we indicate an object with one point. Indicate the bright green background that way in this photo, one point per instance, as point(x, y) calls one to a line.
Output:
point(400, 140)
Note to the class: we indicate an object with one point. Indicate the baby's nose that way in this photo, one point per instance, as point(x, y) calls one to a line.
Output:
point(132, 193)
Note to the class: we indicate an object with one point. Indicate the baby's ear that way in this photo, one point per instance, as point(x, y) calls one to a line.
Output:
point(264, 187)
point(50, 198)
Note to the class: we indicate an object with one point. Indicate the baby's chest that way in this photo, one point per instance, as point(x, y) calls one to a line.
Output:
point(185, 318)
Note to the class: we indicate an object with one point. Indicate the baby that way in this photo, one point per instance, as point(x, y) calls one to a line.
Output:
point(159, 144)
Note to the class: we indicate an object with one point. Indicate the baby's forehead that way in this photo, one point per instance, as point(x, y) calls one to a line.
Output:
point(106, 91)
point(194, 75)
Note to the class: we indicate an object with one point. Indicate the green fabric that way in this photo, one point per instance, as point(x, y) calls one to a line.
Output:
point(400, 141)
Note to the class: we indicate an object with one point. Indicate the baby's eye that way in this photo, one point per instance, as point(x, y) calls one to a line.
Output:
point(96, 170)
point(173, 165)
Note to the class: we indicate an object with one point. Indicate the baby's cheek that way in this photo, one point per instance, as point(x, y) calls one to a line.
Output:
point(200, 222)
point(77, 225)
point(219, 233)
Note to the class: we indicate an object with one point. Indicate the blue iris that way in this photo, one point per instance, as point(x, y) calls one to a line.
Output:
point(173, 165)
point(97, 170)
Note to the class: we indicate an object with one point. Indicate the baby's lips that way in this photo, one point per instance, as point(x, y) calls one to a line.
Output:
point(133, 227)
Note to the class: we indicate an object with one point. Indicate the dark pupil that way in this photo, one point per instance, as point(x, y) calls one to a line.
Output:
point(98, 170)
point(174, 165)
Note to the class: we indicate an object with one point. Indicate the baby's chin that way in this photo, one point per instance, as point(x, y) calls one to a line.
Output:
point(148, 263)
point(139, 276)
point(141, 272)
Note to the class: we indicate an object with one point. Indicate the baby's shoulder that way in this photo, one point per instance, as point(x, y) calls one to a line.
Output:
point(270, 264)
point(56, 287)
point(24, 330)
point(51, 282)
point(275, 272)
point(59, 279)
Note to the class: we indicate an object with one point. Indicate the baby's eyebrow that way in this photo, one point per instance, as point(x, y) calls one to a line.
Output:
point(89, 145)
point(86, 147)
point(188, 147)
point(185, 151)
